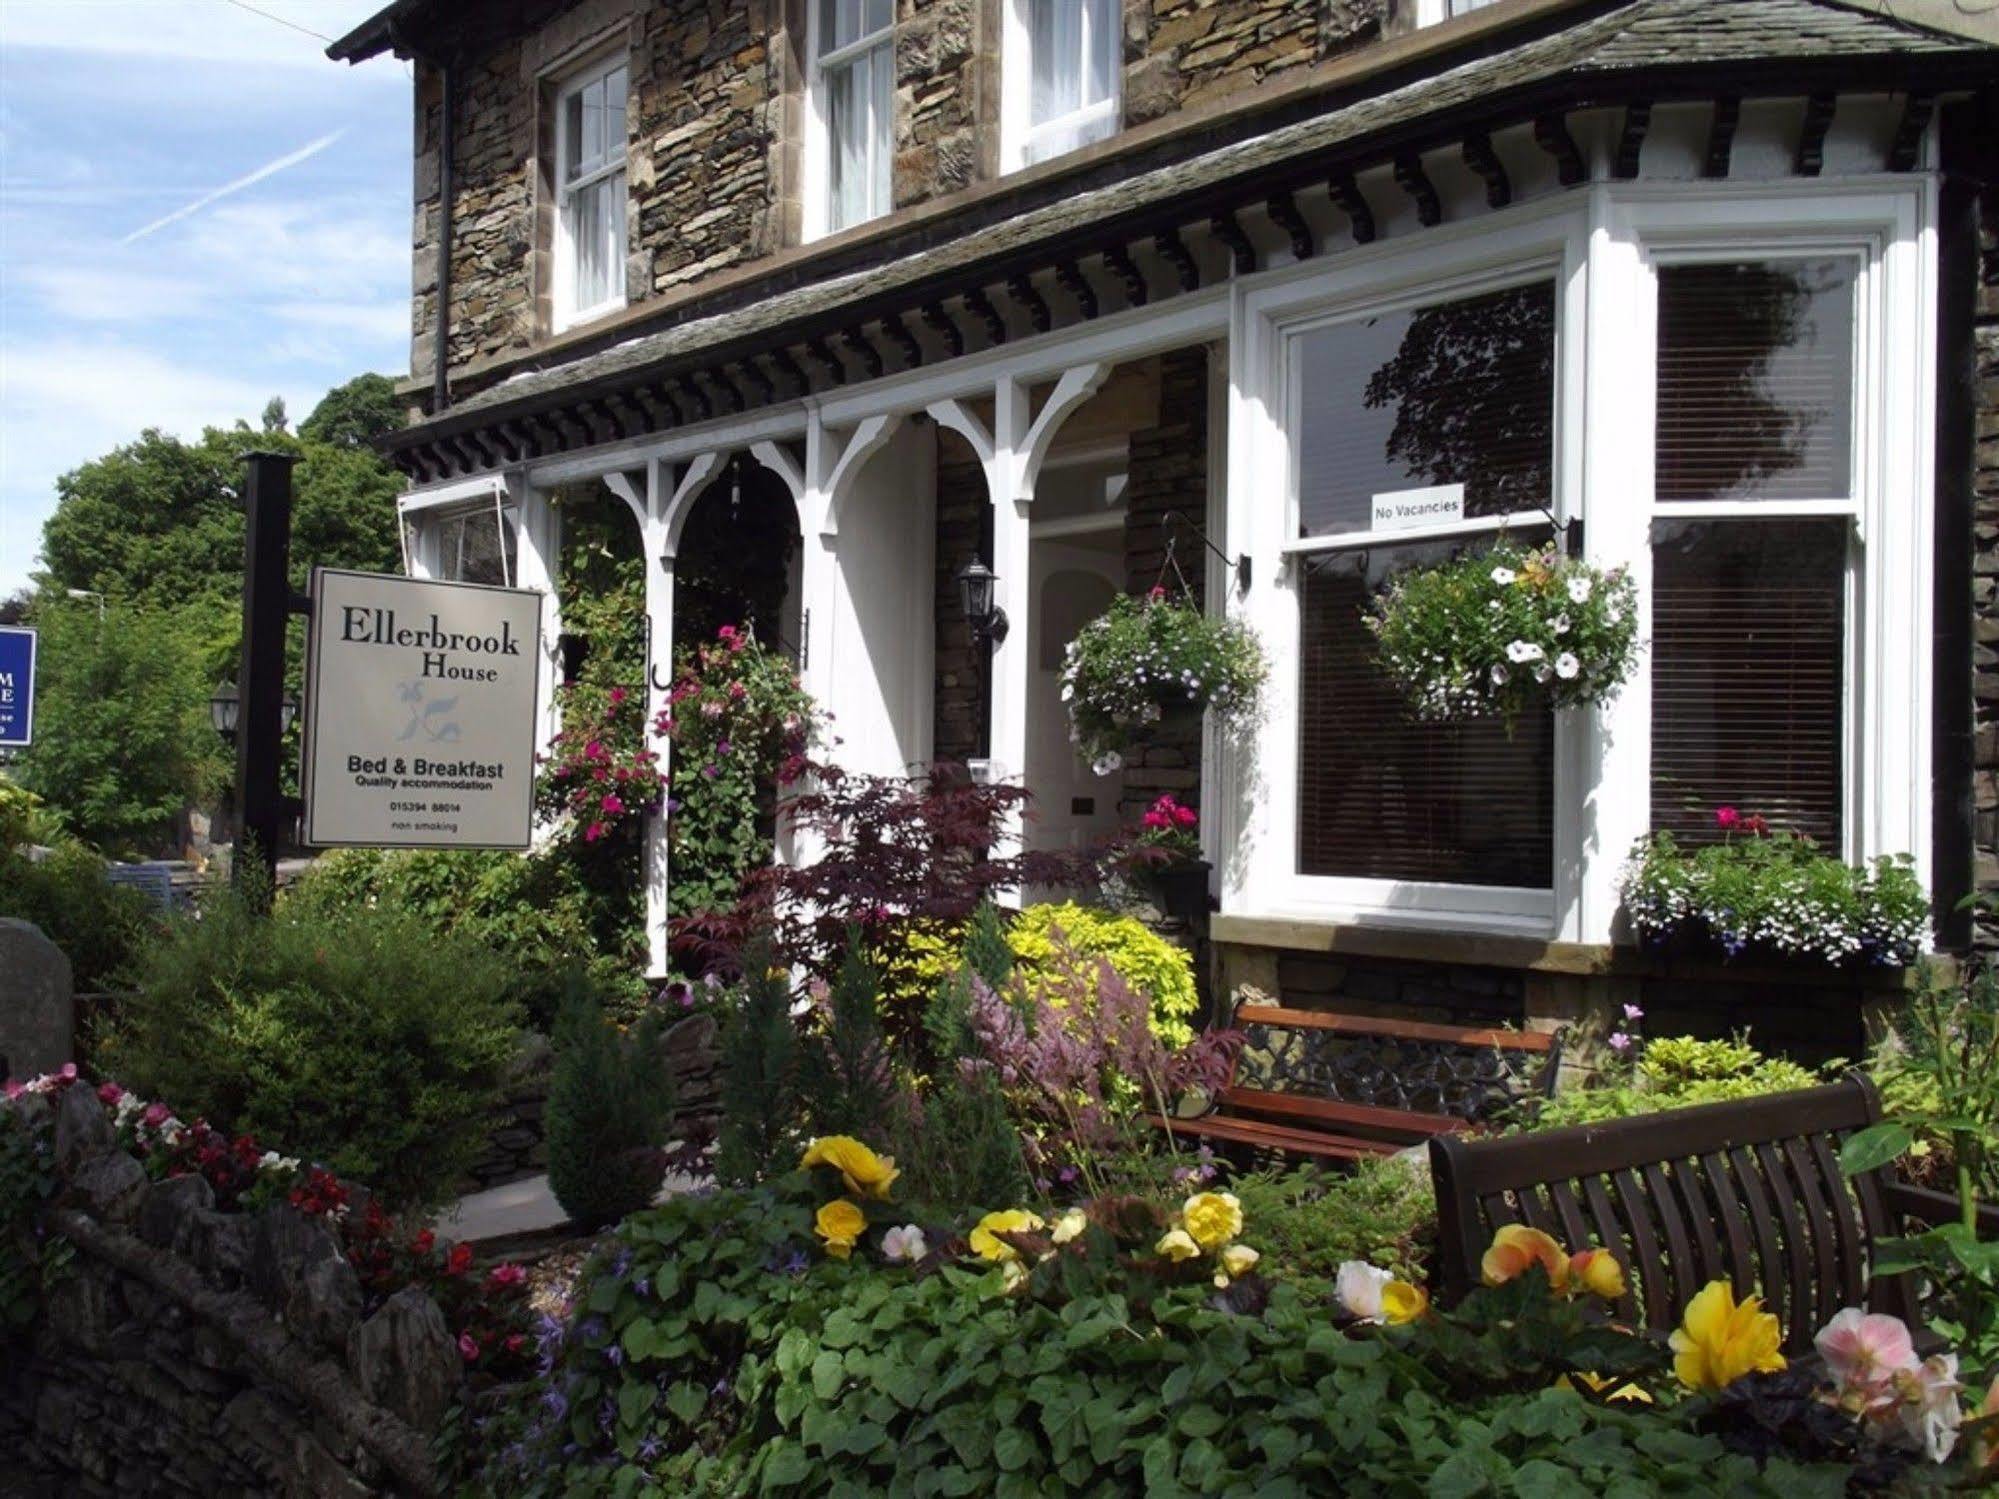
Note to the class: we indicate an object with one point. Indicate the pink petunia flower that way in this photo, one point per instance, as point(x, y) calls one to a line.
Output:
point(1727, 818)
point(467, 1348)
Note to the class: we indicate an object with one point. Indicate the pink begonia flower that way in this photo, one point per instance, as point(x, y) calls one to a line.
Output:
point(1619, 1041)
point(1727, 817)
point(592, 833)
point(507, 1275)
point(1863, 1351)
point(467, 1349)
point(156, 1115)
point(1929, 1413)
point(612, 806)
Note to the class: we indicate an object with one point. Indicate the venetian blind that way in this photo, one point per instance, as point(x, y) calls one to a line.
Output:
point(1383, 796)
point(1756, 381)
point(1748, 674)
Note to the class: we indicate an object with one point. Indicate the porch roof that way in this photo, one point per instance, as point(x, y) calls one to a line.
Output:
point(1641, 50)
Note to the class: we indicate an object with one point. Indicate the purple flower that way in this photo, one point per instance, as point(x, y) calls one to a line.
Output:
point(615, 1355)
point(1619, 1041)
point(1633, 1012)
point(711, 771)
point(555, 1402)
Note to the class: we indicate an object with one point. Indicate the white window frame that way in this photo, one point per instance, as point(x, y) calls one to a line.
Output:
point(1435, 12)
point(613, 164)
point(1887, 703)
point(1543, 246)
point(818, 130)
point(1018, 129)
point(1605, 245)
point(422, 516)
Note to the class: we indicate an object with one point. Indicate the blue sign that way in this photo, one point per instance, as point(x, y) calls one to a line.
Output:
point(17, 687)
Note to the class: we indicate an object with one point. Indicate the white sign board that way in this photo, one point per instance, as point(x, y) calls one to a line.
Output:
point(420, 713)
point(1409, 509)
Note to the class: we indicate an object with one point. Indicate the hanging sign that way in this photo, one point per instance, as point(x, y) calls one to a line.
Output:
point(1408, 509)
point(420, 713)
point(17, 687)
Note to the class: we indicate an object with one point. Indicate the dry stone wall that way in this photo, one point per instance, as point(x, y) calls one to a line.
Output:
point(186, 1351)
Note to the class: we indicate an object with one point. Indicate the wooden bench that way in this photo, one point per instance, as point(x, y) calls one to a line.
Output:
point(1748, 1191)
point(1343, 1087)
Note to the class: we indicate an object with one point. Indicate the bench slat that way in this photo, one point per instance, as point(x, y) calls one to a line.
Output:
point(1410, 1127)
point(1279, 1137)
point(1408, 1030)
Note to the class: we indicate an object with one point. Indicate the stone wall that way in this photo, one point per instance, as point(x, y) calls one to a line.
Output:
point(716, 115)
point(1985, 586)
point(186, 1351)
point(516, 1137)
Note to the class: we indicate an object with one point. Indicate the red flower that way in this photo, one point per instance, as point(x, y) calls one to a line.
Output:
point(424, 1242)
point(1157, 592)
point(1727, 818)
point(459, 1260)
point(1755, 824)
point(467, 1348)
point(505, 1277)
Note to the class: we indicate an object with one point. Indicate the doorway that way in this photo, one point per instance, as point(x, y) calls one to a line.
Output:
point(1075, 568)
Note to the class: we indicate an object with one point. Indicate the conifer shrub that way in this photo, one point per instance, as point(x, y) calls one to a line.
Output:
point(760, 1075)
point(610, 1107)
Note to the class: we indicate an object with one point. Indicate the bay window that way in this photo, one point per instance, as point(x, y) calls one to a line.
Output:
point(852, 95)
point(590, 148)
point(1728, 393)
point(1063, 60)
point(1754, 509)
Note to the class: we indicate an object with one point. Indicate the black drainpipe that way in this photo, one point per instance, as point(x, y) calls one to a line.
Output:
point(447, 192)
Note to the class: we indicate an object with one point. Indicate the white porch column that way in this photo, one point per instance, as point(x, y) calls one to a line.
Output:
point(538, 552)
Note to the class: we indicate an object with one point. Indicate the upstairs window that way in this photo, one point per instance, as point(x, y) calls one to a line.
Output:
point(853, 92)
point(1430, 12)
point(1063, 66)
point(590, 138)
point(1750, 546)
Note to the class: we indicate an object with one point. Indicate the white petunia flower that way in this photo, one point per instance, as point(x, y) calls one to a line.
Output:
point(1503, 576)
point(1524, 650)
point(1567, 667)
point(1561, 624)
point(1107, 763)
point(1579, 587)
point(1499, 676)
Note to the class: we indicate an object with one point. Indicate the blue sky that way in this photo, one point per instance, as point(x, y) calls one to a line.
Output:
point(143, 281)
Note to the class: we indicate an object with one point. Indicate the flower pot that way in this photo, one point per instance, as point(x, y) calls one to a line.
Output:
point(1182, 889)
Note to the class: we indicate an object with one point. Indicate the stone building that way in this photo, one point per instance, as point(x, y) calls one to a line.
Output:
point(1110, 291)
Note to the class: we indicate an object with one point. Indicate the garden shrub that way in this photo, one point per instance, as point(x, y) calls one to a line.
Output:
point(101, 927)
point(1163, 971)
point(849, 1077)
point(610, 1105)
point(718, 1349)
point(1309, 1221)
point(362, 1038)
point(537, 913)
point(1674, 1072)
point(760, 1078)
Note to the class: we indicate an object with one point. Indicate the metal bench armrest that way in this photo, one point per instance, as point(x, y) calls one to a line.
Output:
point(1935, 1209)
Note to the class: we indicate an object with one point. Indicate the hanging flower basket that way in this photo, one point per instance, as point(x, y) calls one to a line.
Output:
point(1510, 631)
point(1771, 896)
point(1144, 663)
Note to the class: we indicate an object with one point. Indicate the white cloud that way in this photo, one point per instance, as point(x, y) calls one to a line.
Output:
point(187, 30)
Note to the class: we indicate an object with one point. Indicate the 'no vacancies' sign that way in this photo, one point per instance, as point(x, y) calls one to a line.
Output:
point(420, 713)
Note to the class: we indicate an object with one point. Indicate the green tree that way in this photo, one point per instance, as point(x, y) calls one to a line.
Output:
point(122, 735)
point(355, 414)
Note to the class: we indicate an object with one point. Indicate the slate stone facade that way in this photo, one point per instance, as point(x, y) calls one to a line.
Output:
point(1985, 587)
point(717, 111)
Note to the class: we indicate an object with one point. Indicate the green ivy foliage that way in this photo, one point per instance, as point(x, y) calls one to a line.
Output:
point(715, 1351)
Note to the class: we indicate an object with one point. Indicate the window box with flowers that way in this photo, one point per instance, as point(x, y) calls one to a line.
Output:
point(1764, 894)
point(1148, 664)
point(1509, 631)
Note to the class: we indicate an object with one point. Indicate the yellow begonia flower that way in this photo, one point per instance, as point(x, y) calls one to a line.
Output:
point(840, 1223)
point(865, 1173)
point(1177, 1244)
point(1239, 1259)
point(1720, 1340)
point(1213, 1218)
point(984, 1238)
point(1402, 1302)
point(1069, 1225)
point(1515, 1247)
point(1598, 1272)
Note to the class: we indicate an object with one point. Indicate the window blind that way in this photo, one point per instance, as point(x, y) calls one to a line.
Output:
point(1748, 675)
point(1756, 381)
point(1383, 796)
